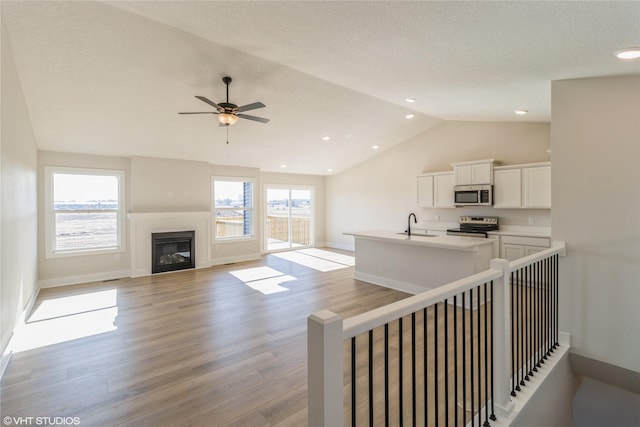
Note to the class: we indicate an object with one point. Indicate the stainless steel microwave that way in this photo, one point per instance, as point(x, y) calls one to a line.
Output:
point(473, 195)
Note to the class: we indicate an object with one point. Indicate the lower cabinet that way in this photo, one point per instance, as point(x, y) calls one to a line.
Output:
point(514, 247)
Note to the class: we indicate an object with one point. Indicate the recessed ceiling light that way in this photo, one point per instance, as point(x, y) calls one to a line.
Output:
point(410, 116)
point(329, 170)
point(521, 112)
point(326, 138)
point(375, 147)
point(410, 100)
point(629, 53)
point(283, 166)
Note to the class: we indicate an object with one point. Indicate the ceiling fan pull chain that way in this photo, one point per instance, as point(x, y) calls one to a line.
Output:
point(227, 131)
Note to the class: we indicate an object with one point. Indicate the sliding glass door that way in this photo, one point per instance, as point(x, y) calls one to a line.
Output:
point(288, 218)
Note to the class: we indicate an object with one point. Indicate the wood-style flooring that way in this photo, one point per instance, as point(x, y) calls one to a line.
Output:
point(223, 346)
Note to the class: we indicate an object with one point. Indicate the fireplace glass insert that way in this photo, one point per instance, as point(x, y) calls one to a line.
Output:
point(172, 251)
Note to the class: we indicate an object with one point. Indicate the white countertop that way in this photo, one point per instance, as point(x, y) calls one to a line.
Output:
point(505, 230)
point(522, 231)
point(444, 242)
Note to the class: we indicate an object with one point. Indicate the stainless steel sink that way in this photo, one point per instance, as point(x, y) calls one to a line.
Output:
point(404, 233)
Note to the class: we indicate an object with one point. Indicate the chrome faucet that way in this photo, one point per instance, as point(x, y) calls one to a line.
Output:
point(415, 221)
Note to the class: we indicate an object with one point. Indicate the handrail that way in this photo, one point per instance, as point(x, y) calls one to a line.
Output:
point(327, 332)
point(556, 247)
point(377, 317)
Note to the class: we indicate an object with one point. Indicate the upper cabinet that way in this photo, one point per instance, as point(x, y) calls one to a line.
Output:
point(507, 189)
point(536, 187)
point(522, 186)
point(435, 190)
point(514, 187)
point(475, 172)
point(425, 190)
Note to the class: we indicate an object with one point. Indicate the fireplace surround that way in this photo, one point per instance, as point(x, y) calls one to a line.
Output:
point(143, 224)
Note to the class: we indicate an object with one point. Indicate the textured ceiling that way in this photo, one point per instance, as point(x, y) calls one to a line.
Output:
point(109, 77)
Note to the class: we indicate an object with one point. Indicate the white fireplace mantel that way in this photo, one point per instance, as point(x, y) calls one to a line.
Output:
point(141, 225)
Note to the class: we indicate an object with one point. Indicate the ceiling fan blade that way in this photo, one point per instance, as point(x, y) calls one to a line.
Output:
point(201, 112)
point(251, 106)
point(254, 118)
point(213, 104)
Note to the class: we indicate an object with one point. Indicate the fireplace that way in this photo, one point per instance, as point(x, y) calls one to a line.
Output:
point(172, 251)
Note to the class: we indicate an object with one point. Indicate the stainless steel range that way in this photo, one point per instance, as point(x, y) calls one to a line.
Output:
point(475, 226)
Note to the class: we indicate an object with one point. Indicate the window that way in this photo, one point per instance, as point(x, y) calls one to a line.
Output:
point(84, 211)
point(233, 208)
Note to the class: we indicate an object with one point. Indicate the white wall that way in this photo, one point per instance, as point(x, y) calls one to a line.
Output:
point(380, 192)
point(595, 139)
point(598, 404)
point(18, 199)
point(169, 185)
point(551, 403)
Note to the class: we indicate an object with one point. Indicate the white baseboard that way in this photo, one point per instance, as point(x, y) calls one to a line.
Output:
point(83, 278)
point(234, 259)
point(4, 362)
point(390, 283)
point(7, 352)
point(343, 246)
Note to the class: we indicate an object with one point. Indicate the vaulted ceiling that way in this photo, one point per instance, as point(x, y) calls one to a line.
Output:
point(110, 77)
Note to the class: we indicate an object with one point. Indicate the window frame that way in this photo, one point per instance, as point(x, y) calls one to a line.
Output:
point(50, 212)
point(251, 210)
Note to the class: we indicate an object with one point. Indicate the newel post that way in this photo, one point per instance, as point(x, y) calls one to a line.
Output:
point(502, 341)
point(325, 353)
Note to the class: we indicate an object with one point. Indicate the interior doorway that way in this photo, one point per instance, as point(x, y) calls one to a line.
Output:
point(288, 217)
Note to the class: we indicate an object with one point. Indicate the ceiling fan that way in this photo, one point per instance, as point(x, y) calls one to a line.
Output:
point(229, 113)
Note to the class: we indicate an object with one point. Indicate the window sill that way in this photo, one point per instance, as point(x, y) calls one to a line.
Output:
point(87, 252)
point(233, 240)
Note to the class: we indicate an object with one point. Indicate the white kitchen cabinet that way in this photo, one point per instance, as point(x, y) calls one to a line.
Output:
point(514, 247)
point(425, 191)
point(476, 172)
point(507, 188)
point(511, 252)
point(443, 190)
point(522, 186)
point(435, 190)
point(536, 187)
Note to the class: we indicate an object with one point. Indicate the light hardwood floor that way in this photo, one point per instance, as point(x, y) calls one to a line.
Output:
point(193, 348)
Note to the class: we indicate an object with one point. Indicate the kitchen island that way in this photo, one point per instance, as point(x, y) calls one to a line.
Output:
point(417, 263)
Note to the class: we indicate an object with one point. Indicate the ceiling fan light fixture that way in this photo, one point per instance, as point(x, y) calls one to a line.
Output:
point(227, 118)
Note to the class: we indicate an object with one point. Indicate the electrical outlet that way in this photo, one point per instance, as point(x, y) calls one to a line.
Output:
point(437, 217)
point(530, 220)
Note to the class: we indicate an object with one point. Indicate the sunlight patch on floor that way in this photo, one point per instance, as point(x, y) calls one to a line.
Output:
point(264, 279)
point(330, 256)
point(317, 259)
point(75, 304)
point(69, 318)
